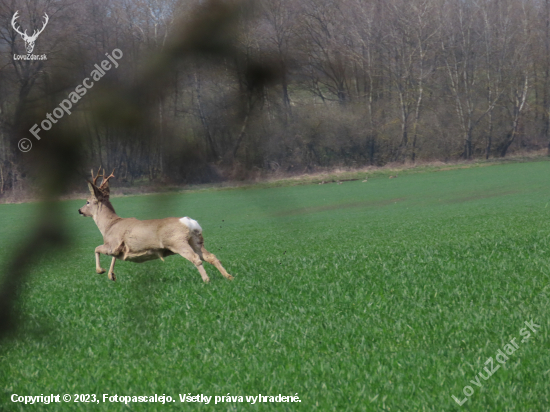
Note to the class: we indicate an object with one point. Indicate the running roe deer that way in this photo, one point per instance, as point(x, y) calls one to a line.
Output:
point(141, 240)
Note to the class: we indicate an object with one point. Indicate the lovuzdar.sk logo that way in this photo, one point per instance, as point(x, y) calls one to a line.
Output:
point(29, 40)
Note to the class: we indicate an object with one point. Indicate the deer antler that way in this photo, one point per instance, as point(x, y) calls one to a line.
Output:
point(24, 34)
point(15, 16)
point(94, 179)
point(106, 180)
point(37, 32)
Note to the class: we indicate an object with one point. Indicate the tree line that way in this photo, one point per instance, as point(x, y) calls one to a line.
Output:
point(355, 82)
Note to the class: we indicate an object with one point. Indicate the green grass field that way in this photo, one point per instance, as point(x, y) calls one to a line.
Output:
point(382, 296)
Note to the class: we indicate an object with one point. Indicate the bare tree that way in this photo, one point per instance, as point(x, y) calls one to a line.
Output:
point(410, 45)
point(517, 70)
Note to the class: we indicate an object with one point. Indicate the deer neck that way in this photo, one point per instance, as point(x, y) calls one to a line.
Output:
point(105, 218)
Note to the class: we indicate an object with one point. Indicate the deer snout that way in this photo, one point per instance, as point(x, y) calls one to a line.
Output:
point(80, 211)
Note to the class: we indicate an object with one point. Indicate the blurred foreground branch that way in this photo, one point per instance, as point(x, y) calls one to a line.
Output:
point(58, 158)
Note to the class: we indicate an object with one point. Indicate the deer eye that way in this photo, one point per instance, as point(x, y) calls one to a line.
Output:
point(88, 203)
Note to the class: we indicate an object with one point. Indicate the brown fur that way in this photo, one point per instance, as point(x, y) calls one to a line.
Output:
point(142, 240)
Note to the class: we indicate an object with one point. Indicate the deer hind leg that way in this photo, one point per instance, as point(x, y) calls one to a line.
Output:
point(188, 253)
point(197, 243)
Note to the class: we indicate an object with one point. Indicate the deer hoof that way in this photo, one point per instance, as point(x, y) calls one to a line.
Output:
point(230, 277)
point(100, 271)
point(112, 276)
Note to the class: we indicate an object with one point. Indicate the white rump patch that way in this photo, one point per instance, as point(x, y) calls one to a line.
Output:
point(193, 225)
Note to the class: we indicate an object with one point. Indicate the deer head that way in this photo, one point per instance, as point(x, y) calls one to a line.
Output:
point(99, 195)
point(29, 40)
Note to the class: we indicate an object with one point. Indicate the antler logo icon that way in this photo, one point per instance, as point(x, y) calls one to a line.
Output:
point(29, 40)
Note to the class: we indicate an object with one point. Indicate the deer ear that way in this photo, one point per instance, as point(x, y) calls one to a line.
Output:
point(91, 187)
point(95, 191)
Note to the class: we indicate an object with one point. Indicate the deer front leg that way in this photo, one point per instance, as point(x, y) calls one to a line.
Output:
point(111, 274)
point(103, 249)
point(98, 250)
